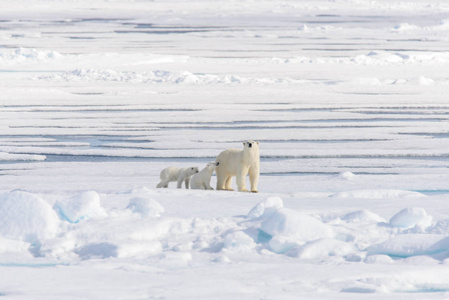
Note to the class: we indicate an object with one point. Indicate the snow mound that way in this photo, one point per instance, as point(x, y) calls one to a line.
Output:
point(146, 207)
point(4, 156)
point(238, 241)
point(98, 250)
point(362, 216)
point(378, 259)
point(346, 175)
point(404, 27)
point(23, 55)
point(443, 25)
point(158, 77)
point(441, 246)
point(80, 207)
point(411, 217)
point(407, 245)
point(425, 81)
point(266, 208)
point(372, 58)
point(281, 244)
point(282, 229)
point(287, 222)
point(8, 246)
point(27, 217)
point(322, 248)
point(377, 194)
point(379, 58)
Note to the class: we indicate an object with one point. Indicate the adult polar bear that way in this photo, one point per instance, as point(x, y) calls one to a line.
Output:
point(239, 162)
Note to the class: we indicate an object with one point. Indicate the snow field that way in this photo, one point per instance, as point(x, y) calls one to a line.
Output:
point(79, 228)
point(348, 100)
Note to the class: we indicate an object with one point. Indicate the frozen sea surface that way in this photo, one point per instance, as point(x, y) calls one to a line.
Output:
point(347, 98)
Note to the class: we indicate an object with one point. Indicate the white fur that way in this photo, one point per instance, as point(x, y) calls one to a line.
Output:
point(179, 175)
point(238, 162)
point(201, 181)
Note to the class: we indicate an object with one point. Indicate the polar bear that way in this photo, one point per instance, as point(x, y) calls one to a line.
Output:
point(201, 181)
point(238, 162)
point(180, 175)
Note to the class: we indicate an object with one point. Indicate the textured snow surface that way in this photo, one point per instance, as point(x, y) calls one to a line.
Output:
point(348, 99)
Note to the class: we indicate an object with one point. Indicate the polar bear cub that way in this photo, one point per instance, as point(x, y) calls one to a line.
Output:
point(238, 162)
point(201, 181)
point(179, 175)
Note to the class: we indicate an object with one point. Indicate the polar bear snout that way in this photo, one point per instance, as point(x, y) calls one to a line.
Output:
point(213, 164)
point(250, 144)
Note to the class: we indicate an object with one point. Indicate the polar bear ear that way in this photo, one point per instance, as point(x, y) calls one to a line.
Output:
point(257, 142)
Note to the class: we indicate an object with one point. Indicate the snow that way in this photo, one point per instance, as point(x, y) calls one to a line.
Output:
point(27, 217)
point(80, 207)
point(146, 207)
point(347, 98)
point(406, 245)
point(266, 208)
point(287, 222)
point(411, 217)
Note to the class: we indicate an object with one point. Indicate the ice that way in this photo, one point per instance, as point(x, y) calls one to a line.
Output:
point(159, 77)
point(238, 242)
point(98, 250)
point(27, 217)
point(266, 208)
point(282, 244)
point(282, 228)
point(23, 55)
point(12, 245)
point(362, 216)
point(406, 245)
point(347, 175)
point(322, 248)
point(146, 207)
point(288, 222)
point(80, 207)
point(377, 194)
point(404, 27)
point(347, 98)
point(411, 217)
point(426, 81)
point(20, 157)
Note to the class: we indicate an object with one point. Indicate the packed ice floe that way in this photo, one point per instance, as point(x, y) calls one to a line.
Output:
point(79, 228)
point(347, 97)
point(372, 58)
point(158, 76)
point(5, 156)
point(24, 55)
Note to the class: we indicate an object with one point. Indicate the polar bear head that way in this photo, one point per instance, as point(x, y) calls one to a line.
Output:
point(251, 145)
point(192, 170)
point(212, 165)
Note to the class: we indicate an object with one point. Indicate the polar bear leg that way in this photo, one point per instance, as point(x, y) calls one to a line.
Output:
point(221, 181)
point(163, 184)
point(207, 186)
point(241, 181)
point(254, 178)
point(180, 180)
point(228, 183)
point(187, 182)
